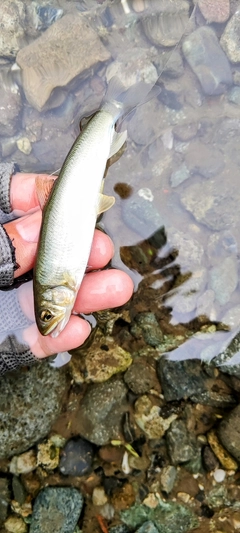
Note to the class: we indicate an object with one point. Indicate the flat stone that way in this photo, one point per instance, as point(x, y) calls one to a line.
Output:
point(56, 509)
point(207, 60)
point(70, 47)
point(30, 401)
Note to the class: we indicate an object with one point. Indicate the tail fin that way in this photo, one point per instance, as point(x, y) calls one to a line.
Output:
point(120, 101)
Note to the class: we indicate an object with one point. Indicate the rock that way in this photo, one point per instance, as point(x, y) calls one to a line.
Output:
point(24, 145)
point(10, 107)
point(180, 175)
point(223, 456)
point(215, 12)
point(103, 359)
point(173, 67)
point(5, 498)
point(182, 445)
point(210, 461)
point(12, 16)
point(149, 327)
point(45, 62)
point(100, 412)
point(147, 527)
point(43, 15)
point(19, 493)
point(166, 22)
point(220, 246)
point(187, 379)
point(204, 160)
point(99, 496)
point(224, 279)
point(30, 401)
point(77, 457)
point(119, 529)
point(230, 38)
point(229, 432)
point(133, 68)
point(207, 60)
point(141, 215)
point(168, 517)
point(234, 95)
point(168, 478)
point(140, 378)
point(48, 455)
point(190, 251)
point(15, 524)
point(213, 203)
point(185, 296)
point(59, 506)
point(147, 417)
point(24, 463)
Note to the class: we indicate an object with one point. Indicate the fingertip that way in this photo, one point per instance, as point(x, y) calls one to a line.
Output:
point(102, 250)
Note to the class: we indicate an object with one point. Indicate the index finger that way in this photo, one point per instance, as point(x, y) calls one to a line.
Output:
point(23, 195)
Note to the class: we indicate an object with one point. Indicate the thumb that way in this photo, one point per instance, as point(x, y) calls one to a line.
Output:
point(24, 234)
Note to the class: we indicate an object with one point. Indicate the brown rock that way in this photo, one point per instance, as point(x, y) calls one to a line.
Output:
point(215, 11)
point(68, 48)
point(224, 457)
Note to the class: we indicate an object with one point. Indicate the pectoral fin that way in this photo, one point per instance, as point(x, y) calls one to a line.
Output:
point(118, 141)
point(104, 203)
point(44, 186)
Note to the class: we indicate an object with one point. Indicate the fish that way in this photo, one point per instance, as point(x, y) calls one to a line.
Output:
point(72, 204)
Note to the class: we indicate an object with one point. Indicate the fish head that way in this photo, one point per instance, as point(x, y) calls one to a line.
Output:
point(53, 309)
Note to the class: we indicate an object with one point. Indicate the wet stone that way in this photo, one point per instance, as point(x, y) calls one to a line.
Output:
point(44, 16)
point(168, 517)
point(119, 529)
point(100, 412)
point(173, 68)
point(45, 62)
point(180, 175)
point(141, 216)
point(5, 498)
point(210, 461)
point(30, 401)
point(166, 22)
point(15, 524)
point(229, 432)
point(12, 15)
point(187, 379)
point(182, 446)
point(234, 95)
point(229, 359)
point(77, 457)
point(10, 108)
point(207, 60)
point(56, 509)
point(140, 378)
point(215, 11)
point(133, 68)
point(224, 279)
point(150, 329)
point(204, 160)
point(19, 491)
point(168, 478)
point(230, 38)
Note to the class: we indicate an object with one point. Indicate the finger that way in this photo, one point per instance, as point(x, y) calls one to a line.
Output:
point(23, 196)
point(73, 335)
point(102, 290)
point(24, 234)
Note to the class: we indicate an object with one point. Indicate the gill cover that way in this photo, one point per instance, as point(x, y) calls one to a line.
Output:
point(54, 310)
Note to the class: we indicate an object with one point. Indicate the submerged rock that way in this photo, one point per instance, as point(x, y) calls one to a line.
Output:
point(56, 509)
point(230, 38)
point(12, 36)
point(167, 517)
point(70, 47)
point(215, 11)
point(207, 60)
point(77, 458)
point(224, 279)
point(229, 432)
point(166, 22)
point(30, 401)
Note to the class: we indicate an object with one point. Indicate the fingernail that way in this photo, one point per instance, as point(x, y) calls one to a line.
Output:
point(28, 227)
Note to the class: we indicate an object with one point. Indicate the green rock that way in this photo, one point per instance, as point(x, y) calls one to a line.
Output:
point(166, 517)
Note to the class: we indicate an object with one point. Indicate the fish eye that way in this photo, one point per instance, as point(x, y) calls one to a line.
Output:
point(46, 315)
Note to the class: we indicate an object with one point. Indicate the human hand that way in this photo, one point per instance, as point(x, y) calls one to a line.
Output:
point(99, 290)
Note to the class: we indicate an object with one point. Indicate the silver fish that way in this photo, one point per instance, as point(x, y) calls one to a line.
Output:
point(70, 214)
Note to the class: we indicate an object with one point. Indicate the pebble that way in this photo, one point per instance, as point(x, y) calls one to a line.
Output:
point(61, 506)
point(45, 62)
point(181, 444)
point(77, 457)
point(5, 498)
point(100, 411)
point(168, 478)
point(30, 402)
point(210, 461)
point(230, 38)
point(147, 417)
point(215, 12)
point(221, 453)
point(24, 145)
point(141, 216)
point(99, 496)
point(150, 328)
point(147, 527)
point(119, 529)
point(103, 359)
point(24, 463)
point(208, 61)
point(166, 22)
point(48, 455)
point(224, 279)
point(15, 524)
point(140, 378)
point(133, 68)
point(19, 492)
point(219, 475)
point(167, 518)
point(180, 175)
point(229, 434)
